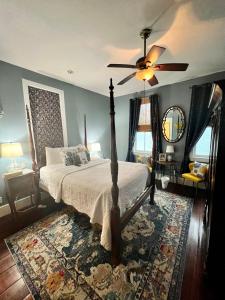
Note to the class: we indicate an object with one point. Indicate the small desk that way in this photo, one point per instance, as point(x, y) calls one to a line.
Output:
point(171, 165)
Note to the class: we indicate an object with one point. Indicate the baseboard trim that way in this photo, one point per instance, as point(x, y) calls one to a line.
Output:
point(20, 204)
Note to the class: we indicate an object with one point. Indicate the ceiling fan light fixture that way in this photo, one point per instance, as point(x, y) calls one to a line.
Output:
point(144, 74)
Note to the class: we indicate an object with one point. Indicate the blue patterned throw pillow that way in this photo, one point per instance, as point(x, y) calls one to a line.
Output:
point(68, 158)
point(71, 158)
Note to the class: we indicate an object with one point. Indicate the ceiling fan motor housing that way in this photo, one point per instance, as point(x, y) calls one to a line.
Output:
point(145, 33)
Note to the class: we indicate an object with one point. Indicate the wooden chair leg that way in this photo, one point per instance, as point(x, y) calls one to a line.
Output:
point(183, 180)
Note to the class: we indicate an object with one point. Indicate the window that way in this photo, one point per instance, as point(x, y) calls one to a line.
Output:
point(202, 148)
point(143, 141)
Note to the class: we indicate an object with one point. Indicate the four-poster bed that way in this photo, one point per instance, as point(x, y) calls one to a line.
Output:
point(117, 219)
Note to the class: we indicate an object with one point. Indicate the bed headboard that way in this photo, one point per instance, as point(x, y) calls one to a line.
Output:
point(42, 136)
point(52, 139)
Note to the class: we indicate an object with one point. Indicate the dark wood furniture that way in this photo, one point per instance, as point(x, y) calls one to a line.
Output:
point(171, 165)
point(215, 205)
point(117, 222)
point(20, 187)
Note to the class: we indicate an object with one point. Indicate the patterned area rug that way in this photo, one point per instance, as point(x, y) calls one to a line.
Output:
point(60, 256)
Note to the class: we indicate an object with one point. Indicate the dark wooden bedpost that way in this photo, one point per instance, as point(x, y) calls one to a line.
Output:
point(85, 131)
point(115, 211)
point(32, 152)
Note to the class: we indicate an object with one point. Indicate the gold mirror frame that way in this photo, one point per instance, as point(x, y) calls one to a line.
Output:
point(181, 124)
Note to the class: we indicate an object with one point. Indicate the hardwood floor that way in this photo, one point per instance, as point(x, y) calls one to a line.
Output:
point(195, 287)
point(12, 285)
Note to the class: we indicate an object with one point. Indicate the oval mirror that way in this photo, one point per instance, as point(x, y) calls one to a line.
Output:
point(173, 124)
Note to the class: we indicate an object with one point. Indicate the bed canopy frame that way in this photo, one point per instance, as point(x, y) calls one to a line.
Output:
point(117, 222)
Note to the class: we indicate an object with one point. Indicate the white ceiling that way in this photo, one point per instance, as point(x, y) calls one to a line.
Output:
point(52, 36)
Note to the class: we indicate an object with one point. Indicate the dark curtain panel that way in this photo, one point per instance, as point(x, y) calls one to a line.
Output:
point(135, 105)
point(156, 138)
point(199, 117)
point(156, 127)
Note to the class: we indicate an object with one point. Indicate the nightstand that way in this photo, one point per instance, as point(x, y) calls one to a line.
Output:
point(21, 187)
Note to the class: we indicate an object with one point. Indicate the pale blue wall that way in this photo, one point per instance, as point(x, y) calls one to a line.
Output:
point(78, 102)
point(175, 94)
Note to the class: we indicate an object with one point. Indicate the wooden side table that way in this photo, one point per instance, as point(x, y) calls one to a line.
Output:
point(20, 187)
point(172, 166)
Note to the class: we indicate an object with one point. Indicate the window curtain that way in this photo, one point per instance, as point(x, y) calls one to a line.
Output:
point(135, 105)
point(156, 127)
point(199, 117)
point(156, 139)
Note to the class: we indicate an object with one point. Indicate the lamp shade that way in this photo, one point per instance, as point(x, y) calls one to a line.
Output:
point(169, 149)
point(144, 74)
point(11, 150)
point(95, 147)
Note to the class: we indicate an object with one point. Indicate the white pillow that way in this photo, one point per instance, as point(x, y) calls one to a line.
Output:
point(53, 156)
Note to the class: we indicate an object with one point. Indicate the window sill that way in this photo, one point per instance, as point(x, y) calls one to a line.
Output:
point(146, 154)
point(203, 159)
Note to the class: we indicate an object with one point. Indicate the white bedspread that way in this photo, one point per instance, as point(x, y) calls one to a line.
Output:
point(88, 189)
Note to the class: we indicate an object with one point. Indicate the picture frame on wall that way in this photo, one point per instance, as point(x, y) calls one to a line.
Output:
point(162, 156)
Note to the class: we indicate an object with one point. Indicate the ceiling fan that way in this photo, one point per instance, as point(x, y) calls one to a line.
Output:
point(146, 66)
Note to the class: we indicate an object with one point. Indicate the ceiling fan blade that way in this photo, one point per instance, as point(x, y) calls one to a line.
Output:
point(127, 78)
point(170, 67)
point(153, 81)
point(154, 53)
point(121, 66)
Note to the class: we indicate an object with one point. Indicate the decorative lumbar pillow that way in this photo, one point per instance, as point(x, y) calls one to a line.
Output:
point(199, 170)
point(83, 153)
point(83, 157)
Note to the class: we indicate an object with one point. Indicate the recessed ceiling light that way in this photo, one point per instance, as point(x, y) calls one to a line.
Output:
point(70, 71)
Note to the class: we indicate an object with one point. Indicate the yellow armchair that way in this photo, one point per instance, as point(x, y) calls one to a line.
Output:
point(194, 178)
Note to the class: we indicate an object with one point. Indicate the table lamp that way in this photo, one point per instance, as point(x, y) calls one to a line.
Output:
point(169, 151)
point(95, 149)
point(12, 150)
